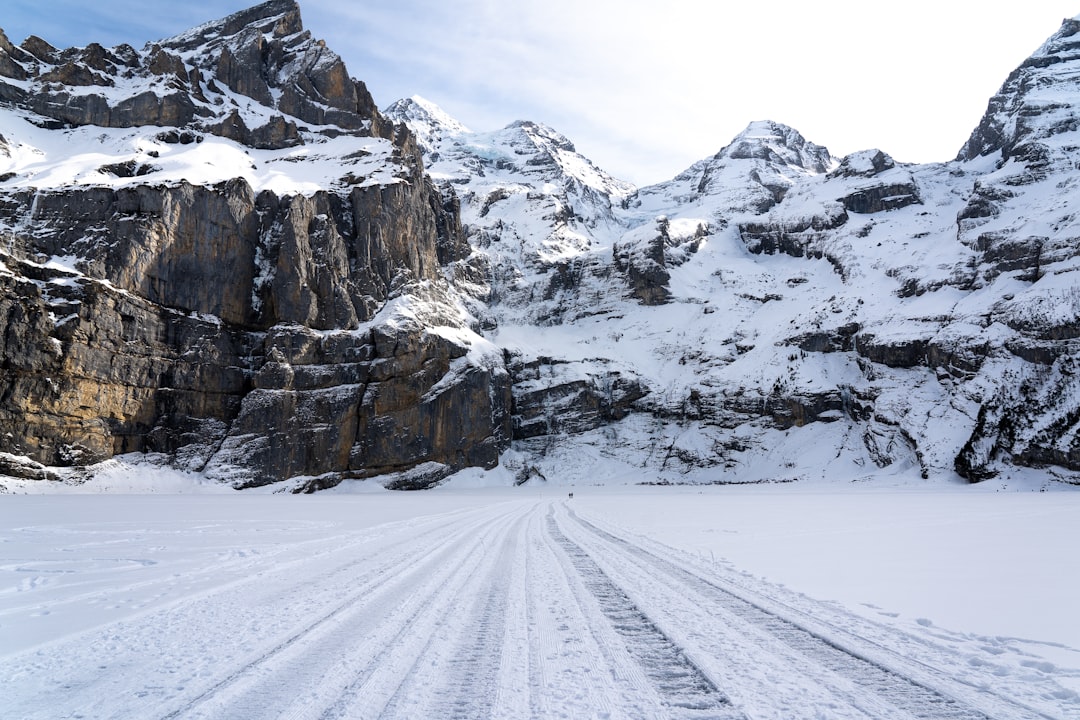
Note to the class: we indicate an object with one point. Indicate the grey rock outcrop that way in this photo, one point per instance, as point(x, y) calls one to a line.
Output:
point(262, 54)
point(223, 329)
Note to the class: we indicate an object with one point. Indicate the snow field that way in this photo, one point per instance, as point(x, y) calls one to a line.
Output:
point(518, 603)
point(49, 159)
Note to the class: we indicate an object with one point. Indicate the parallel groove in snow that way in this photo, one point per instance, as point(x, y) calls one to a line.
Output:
point(578, 665)
point(475, 678)
point(903, 692)
point(304, 658)
point(390, 656)
point(680, 683)
point(465, 659)
point(513, 611)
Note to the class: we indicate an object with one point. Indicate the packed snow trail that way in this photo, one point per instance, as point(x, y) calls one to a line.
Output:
point(843, 665)
point(516, 609)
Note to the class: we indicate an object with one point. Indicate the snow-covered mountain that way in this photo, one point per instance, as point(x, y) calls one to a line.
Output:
point(533, 208)
point(774, 312)
point(217, 252)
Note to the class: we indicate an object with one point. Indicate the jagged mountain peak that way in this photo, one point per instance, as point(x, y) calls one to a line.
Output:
point(524, 147)
point(552, 151)
point(278, 17)
point(1058, 44)
point(548, 152)
point(419, 108)
point(543, 134)
point(256, 77)
point(428, 122)
point(750, 174)
point(1035, 102)
point(777, 144)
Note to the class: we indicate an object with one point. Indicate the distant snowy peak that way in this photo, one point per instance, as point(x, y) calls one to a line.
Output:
point(428, 122)
point(542, 135)
point(553, 154)
point(749, 175)
point(1036, 102)
point(779, 145)
point(523, 149)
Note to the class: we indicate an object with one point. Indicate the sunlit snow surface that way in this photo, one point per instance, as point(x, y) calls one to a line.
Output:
point(812, 600)
point(44, 159)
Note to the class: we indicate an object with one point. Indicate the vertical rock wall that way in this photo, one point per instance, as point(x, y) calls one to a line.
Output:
point(238, 333)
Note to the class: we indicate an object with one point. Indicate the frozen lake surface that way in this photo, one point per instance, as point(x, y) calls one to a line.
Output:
point(637, 602)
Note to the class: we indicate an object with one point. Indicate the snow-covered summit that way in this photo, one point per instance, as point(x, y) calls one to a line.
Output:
point(524, 147)
point(546, 150)
point(429, 123)
point(1020, 213)
point(778, 145)
point(1035, 103)
point(246, 96)
point(256, 77)
point(280, 16)
point(749, 175)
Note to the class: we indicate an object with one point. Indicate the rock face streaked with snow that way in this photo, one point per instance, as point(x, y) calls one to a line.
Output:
point(774, 312)
point(257, 275)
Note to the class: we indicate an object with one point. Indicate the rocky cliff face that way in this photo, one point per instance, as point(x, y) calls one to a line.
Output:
point(248, 329)
point(1021, 222)
point(256, 77)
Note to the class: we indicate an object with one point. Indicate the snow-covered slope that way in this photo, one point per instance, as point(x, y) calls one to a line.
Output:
point(92, 156)
point(776, 312)
point(533, 208)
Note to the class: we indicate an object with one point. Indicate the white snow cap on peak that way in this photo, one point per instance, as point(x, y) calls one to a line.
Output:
point(439, 115)
point(765, 129)
point(417, 109)
point(778, 143)
point(428, 122)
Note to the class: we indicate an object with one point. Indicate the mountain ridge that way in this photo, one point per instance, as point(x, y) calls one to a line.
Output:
point(388, 294)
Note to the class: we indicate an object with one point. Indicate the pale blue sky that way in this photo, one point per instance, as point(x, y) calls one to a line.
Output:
point(645, 88)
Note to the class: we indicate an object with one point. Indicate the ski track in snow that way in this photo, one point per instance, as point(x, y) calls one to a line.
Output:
point(822, 652)
point(682, 685)
point(518, 609)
